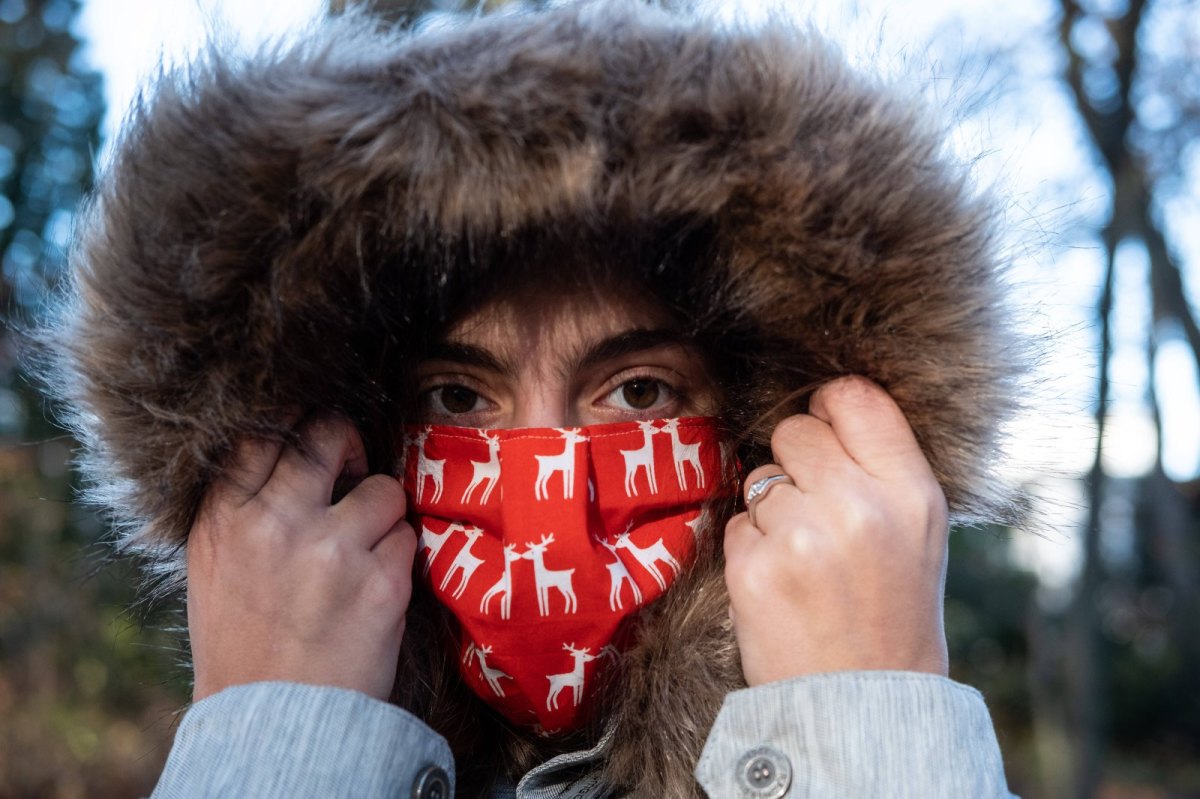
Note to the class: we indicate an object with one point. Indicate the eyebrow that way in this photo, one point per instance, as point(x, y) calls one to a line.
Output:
point(470, 355)
point(625, 343)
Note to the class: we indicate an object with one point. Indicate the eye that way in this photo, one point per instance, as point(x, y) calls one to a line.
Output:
point(640, 394)
point(453, 399)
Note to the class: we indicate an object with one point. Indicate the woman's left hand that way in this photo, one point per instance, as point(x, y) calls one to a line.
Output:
point(845, 569)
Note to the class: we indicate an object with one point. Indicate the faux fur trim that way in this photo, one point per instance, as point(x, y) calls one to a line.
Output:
point(280, 233)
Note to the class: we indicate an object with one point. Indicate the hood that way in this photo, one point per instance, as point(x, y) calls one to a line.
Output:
point(278, 234)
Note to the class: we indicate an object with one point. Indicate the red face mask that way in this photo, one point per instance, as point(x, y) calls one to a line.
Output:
point(542, 542)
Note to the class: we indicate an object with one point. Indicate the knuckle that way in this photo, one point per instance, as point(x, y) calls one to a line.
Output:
point(855, 392)
point(760, 581)
point(758, 578)
point(790, 432)
point(385, 490)
point(269, 515)
point(866, 521)
point(799, 549)
point(270, 539)
point(213, 514)
point(330, 555)
point(351, 440)
point(740, 577)
point(325, 427)
point(731, 531)
point(269, 527)
point(237, 484)
point(850, 388)
point(935, 502)
point(408, 540)
point(734, 541)
point(922, 508)
point(329, 438)
point(387, 591)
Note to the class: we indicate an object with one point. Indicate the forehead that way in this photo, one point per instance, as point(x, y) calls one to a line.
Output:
point(557, 323)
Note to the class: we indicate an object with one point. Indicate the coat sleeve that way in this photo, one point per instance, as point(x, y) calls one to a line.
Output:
point(276, 739)
point(881, 733)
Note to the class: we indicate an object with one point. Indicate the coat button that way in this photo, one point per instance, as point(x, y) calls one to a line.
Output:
point(763, 773)
point(431, 783)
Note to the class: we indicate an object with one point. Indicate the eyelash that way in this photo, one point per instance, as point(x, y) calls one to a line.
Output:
point(453, 381)
point(674, 393)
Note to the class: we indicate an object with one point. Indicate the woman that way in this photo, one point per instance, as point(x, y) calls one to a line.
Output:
point(504, 294)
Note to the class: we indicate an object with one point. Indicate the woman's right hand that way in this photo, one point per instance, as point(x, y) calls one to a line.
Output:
point(845, 568)
point(282, 585)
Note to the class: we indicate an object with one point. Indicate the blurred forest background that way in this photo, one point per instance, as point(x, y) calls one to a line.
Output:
point(1094, 682)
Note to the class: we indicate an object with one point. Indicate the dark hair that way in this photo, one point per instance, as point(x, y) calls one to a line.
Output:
point(677, 267)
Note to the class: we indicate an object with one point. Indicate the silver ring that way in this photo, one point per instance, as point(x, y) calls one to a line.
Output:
point(759, 488)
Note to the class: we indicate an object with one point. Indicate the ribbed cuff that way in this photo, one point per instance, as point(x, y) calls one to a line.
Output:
point(871, 733)
point(276, 739)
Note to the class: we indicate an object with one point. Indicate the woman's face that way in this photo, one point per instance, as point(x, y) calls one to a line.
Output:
point(565, 361)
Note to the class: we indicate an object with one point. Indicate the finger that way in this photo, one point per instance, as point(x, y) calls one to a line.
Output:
point(400, 542)
point(396, 551)
point(740, 539)
point(754, 505)
point(249, 469)
point(371, 509)
point(871, 427)
point(764, 471)
point(309, 472)
point(809, 451)
point(782, 511)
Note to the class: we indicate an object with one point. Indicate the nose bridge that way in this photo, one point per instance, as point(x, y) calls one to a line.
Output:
point(542, 406)
point(542, 397)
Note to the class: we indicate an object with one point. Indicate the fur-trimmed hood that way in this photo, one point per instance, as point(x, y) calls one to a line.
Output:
point(277, 234)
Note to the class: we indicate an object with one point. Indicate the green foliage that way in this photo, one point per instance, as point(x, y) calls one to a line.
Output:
point(988, 607)
point(82, 695)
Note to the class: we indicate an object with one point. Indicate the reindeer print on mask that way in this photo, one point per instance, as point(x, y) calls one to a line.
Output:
point(536, 537)
point(486, 471)
point(427, 467)
point(550, 465)
point(491, 676)
point(639, 459)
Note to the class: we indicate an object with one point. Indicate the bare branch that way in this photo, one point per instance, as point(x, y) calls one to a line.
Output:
point(1074, 71)
point(1166, 283)
point(1109, 130)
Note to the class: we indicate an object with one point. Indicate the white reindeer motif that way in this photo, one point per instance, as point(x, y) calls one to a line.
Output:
point(643, 457)
point(465, 562)
point(727, 459)
point(618, 575)
point(548, 465)
point(503, 586)
point(493, 676)
point(433, 542)
point(427, 467)
point(488, 470)
point(402, 460)
point(572, 679)
point(546, 579)
point(684, 454)
point(649, 557)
